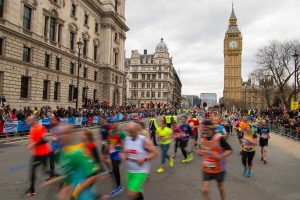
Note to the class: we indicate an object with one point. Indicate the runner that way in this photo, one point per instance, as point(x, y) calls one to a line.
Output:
point(264, 135)
point(40, 151)
point(194, 124)
point(79, 170)
point(115, 142)
point(104, 131)
point(249, 141)
point(55, 145)
point(139, 151)
point(186, 133)
point(168, 119)
point(152, 129)
point(177, 134)
point(164, 134)
point(90, 146)
point(214, 149)
point(237, 129)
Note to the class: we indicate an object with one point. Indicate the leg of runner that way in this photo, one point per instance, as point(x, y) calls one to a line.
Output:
point(52, 165)
point(205, 190)
point(183, 145)
point(265, 154)
point(36, 161)
point(221, 190)
point(177, 142)
point(244, 161)
point(116, 171)
point(164, 156)
point(250, 159)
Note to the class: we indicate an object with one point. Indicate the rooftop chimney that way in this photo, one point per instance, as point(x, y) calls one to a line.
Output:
point(145, 52)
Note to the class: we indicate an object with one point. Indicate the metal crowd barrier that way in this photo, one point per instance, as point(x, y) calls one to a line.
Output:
point(286, 131)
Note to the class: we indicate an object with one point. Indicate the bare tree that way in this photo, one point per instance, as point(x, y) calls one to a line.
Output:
point(265, 86)
point(276, 60)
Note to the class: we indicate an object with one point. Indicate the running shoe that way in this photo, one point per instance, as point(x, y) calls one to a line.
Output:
point(160, 170)
point(190, 157)
point(249, 174)
point(184, 161)
point(245, 171)
point(116, 192)
point(105, 197)
point(28, 194)
point(171, 162)
point(265, 162)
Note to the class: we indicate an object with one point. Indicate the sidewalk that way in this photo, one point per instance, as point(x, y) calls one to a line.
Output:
point(24, 137)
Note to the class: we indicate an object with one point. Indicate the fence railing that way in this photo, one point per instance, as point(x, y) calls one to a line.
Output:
point(290, 132)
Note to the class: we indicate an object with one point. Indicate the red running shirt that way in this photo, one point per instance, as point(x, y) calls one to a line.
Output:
point(36, 134)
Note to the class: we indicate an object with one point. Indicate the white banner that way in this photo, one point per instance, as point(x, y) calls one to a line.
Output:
point(63, 121)
point(10, 127)
point(95, 120)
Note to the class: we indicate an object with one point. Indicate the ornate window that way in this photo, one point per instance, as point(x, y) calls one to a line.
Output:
point(52, 29)
point(1, 8)
point(25, 84)
point(27, 17)
point(73, 10)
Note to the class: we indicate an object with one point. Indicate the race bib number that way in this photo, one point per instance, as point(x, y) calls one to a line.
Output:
point(264, 135)
point(209, 164)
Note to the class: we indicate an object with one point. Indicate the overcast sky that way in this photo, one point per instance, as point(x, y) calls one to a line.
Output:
point(194, 31)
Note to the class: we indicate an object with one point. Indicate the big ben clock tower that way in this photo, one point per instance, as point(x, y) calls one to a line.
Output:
point(232, 62)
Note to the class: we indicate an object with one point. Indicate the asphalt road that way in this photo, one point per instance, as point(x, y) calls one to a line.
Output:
point(278, 180)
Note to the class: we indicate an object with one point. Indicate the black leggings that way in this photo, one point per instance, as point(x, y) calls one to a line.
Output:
point(183, 145)
point(247, 157)
point(177, 142)
point(116, 171)
point(52, 163)
point(36, 161)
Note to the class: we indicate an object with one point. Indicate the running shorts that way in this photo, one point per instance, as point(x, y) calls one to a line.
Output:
point(263, 142)
point(195, 137)
point(219, 177)
point(135, 181)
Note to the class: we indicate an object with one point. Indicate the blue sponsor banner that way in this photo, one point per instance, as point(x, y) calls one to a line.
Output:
point(84, 121)
point(121, 117)
point(71, 120)
point(46, 122)
point(23, 126)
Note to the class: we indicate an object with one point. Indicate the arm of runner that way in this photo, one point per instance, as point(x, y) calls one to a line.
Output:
point(254, 140)
point(152, 152)
point(227, 149)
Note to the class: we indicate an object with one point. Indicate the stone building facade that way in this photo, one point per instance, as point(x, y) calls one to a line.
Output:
point(39, 51)
point(152, 80)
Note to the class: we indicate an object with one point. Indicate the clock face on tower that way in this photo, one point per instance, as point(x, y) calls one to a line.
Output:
point(233, 44)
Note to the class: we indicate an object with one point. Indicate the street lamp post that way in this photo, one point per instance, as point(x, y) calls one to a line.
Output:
point(151, 82)
point(86, 96)
point(79, 43)
point(245, 102)
point(296, 56)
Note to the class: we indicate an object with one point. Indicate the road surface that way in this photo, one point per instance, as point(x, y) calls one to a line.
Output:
point(278, 180)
